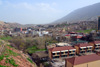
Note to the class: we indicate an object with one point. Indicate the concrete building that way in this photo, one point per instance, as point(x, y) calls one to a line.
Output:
point(96, 45)
point(83, 48)
point(99, 23)
point(58, 52)
point(92, 60)
point(62, 44)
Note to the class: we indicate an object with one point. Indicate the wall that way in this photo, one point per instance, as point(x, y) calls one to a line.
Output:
point(69, 64)
point(50, 54)
point(77, 49)
point(89, 64)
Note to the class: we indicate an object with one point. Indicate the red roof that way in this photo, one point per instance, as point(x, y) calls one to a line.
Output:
point(96, 42)
point(72, 33)
point(83, 45)
point(78, 36)
point(67, 35)
point(83, 59)
point(61, 48)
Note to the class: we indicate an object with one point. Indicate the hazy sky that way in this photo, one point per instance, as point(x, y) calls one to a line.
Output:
point(39, 11)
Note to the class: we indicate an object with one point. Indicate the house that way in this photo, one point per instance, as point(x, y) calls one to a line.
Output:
point(58, 52)
point(83, 48)
point(96, 45)
point(92, 60)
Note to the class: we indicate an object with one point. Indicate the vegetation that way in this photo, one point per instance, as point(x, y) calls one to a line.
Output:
point(31, 45)
point(2, 66)
point(34, 49)
point(6, 38)
point(11, 61)
point(9, 52)
point(85, 31)
point(1, 57)
point(29, 60)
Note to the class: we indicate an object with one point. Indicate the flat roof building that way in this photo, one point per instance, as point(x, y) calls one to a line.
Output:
point(83, 48)
point(96, 45)
point(92, 60)
point(58, 52)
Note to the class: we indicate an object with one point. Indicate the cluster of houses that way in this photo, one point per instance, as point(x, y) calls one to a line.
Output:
point(33, 31)
point(81, 53)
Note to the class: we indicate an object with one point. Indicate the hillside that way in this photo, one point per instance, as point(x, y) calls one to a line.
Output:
point(13, 25)
point(88, 13)
point(11, 57)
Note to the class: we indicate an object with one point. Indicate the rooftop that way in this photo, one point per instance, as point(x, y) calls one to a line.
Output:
point(96, 42)
point(83, 59)
point(62, 44)
point(61, 48)
point(79, 41)
point(83, 45)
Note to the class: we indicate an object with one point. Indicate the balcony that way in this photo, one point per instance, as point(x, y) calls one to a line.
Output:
point(64, 55)
point(56, 54)
point(82, 51)
point(71, 54)
point(54, 57)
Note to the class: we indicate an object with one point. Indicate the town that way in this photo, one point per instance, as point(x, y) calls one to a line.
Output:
point(66, 45)
point(49, 33)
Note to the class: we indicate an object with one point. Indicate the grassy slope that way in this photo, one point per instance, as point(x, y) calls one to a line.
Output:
point(85, 31)
point(10, 55)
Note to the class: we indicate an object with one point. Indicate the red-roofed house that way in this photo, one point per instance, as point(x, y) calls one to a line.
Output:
point(96, 45)
point(92, 60)
point(83, 48)
point(58, 52)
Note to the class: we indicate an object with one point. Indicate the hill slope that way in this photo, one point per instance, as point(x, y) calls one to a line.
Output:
point(11, 57)
point(88, 13)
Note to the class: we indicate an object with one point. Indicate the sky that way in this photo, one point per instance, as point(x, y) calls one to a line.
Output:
point(39, 11)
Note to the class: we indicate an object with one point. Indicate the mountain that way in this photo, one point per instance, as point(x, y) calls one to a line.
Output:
point(88, 13)
point(13, 25)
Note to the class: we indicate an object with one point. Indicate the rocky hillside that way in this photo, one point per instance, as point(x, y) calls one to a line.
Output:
point(10, 57)
point(13, 25)
point(88, 13)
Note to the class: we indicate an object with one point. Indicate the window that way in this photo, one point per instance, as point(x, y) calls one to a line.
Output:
point(69, 51)
point(71, 54)
point(66, 52)
point(88, 50)
point(58, 53)
point(55, 57)
point(53, 53)
point(63, 55)
point(62, 52)
point(82, 51)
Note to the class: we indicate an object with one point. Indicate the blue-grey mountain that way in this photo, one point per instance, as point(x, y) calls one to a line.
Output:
point(88, 13)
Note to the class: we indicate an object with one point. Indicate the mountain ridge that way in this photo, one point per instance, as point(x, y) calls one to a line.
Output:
point(88, 13)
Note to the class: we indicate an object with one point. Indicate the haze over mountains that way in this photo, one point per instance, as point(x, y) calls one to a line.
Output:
point(88, 13)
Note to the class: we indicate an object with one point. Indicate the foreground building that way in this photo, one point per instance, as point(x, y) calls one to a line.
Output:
point(58, 52)
point(83, 48)
point(96, 45)
point(92, 60)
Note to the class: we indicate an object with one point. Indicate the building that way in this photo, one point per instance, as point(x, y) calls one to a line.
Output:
point(99, 23)
point(62, 44)
point(92, 60)
point(76, 38)
point(96, 45)
point(83, 48)
point(58, 52)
